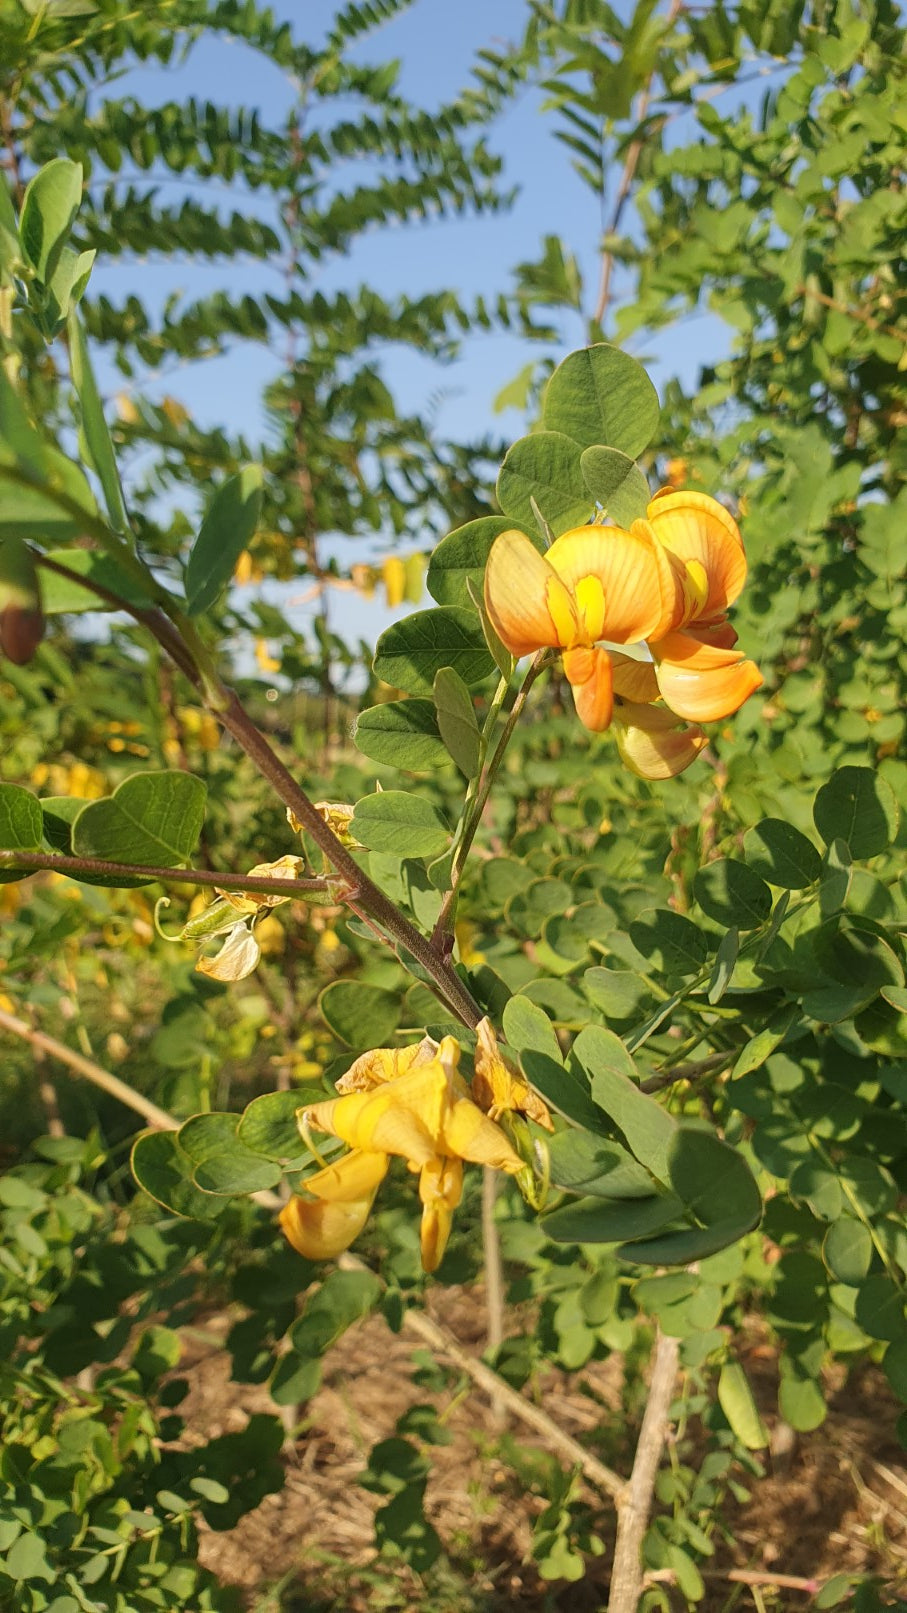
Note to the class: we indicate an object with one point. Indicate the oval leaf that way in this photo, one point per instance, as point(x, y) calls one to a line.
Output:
point(227, 529)
point(544, 467)
point(363, 1016)
point(601, 395)
point(150, 818)
point(616, 481)
point(404, 824)
point(402, 733)
point(410, 653)
point(858, 807)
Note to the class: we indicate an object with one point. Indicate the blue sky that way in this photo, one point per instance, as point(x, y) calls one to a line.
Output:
point(435, 42)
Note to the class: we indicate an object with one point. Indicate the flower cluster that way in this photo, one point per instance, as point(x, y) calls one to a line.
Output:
point(641, 617)
point(412, 1103)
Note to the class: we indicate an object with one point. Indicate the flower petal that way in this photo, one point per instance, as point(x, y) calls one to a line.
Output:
point(702, 536)
point(468, 1134)
point(630, 566)
point(497, 1087)
point(320, 1231)
point(440, 1189)
point(529, 607)
point(353, 1177)
point(652, 743)
point(588, 672)
point(402, 1117)
point(385, 1064)
point(634, 680)
point(700, 681)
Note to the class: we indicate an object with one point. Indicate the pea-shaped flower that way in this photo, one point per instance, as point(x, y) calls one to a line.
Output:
point(596, 588)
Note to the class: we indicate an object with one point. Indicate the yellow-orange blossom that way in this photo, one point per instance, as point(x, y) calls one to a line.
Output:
point(666, 583)
point(411, 1102)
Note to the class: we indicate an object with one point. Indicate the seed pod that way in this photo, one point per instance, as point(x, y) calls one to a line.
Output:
point(21, 617)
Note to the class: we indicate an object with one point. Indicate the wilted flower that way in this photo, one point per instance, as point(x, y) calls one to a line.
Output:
point(411, 1103)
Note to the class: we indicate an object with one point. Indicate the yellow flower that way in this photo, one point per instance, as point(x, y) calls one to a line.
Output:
point(664, 587)
point(595, 583)
point(412, 1104)
point(497, 1087)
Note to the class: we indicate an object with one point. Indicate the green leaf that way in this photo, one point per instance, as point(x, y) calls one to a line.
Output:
point(847, 1250)
point(881, 1310)
point(49, 207)
point(410, 653)
point(222, 1163)
point(527, 1027)
point(858, 807)
point(99, 447)
point(735, 1397)
point(363, 1016)
point(268, 1124)
point(755, 1052)
point(401, 823)
point(545, 467)
point(671, 942)
point(732, 894)
point(26, 1559)
point(61, 596)
point(497, 649)
point(601, 395)
point(683, 1247)
point(153, 818)
point(343, 1298)
point(227, 529)
point(164, 1172)
point(713, 1180)
point(21, 825)
point(782, 855)
point(462, 556)
point(616, 482)
point(598, 1220)
point(801, 1403)
point(457, 720)
point(402, 733)
point(647, 1127)
point(581, 1163)
point(723, 970)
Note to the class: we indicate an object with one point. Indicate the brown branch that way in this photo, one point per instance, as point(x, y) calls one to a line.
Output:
point(858, 314)
point(35, 861)
point(635, 1503)
point(226, 706)
point(687, 1072)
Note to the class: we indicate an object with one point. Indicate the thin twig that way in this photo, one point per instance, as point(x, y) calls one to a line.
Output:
point(494, 1275)
point(635, 1504)
point(687, 1072)
point(37, 861)
point(92, 1072)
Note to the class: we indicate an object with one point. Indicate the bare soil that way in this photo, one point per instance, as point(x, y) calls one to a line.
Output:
point(832, 1501)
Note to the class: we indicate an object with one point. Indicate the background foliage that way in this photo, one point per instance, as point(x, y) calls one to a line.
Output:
point(704, 977)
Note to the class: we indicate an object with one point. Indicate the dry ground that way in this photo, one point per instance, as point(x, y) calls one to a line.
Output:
point(835, 1500)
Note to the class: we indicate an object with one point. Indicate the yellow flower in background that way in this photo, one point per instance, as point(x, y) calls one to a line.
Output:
point(410, 1103)
point(264, 658)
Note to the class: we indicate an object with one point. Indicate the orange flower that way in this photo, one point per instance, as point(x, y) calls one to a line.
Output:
point(699, 674)
point(595, 583)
